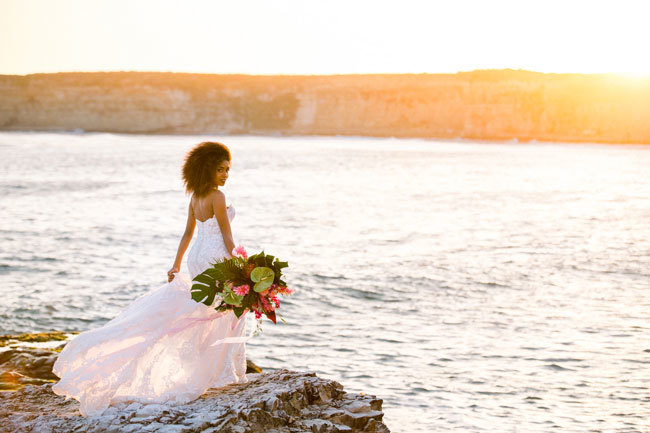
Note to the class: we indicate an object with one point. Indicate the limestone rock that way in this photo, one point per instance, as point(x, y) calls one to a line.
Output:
point(274, 402)
point(280, 401)
point(488, 104)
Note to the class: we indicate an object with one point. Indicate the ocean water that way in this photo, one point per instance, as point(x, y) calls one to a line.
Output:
point(471, 286)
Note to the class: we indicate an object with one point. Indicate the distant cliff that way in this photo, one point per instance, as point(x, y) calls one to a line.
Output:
point(491, 104)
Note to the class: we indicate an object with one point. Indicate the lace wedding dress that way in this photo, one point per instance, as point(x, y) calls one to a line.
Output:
point(163, 348)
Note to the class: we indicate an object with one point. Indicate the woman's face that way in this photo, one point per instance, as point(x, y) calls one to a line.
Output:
point(221, 174)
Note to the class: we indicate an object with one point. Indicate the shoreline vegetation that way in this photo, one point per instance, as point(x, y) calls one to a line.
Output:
point(484, 105)
point(280, 400)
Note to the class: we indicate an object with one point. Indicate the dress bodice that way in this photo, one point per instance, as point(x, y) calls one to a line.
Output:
point(209, 245)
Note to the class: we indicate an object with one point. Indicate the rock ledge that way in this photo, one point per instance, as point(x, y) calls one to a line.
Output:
point(280, 401)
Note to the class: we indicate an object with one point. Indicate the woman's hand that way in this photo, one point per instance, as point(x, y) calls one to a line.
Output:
point(171, 272)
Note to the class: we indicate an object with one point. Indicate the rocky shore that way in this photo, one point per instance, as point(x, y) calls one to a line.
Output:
point(275, 402)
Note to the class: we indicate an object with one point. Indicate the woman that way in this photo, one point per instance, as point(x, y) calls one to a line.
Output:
point(165, 347)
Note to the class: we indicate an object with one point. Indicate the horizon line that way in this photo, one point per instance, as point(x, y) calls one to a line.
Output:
point(627, 74)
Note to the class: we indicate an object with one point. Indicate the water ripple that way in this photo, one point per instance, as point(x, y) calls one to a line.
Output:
point(469, 285)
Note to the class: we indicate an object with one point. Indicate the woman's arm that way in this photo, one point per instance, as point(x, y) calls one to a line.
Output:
point(219, 207)
point(185, 242)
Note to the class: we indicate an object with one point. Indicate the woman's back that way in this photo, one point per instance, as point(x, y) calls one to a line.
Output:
point(203, 207)
point(209, 245)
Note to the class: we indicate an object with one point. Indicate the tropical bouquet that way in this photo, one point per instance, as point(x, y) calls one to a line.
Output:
point(243, 283)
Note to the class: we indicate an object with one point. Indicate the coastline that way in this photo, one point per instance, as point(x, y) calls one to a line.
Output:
point(493, 105)
point(467, 140)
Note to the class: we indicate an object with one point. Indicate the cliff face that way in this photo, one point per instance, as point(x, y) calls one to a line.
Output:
point(478, 105)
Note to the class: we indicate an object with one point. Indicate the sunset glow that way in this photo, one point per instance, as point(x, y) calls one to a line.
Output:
point(336, 37)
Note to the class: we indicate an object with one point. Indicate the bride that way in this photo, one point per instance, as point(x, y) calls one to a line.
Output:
point(165, 347)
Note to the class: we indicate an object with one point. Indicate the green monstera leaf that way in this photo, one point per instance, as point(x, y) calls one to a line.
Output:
point(262, 277)
point(204, 290)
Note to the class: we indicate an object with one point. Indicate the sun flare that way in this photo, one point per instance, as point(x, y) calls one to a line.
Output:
point(635, 75)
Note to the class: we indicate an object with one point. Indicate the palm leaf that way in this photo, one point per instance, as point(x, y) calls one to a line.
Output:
point(204, 294)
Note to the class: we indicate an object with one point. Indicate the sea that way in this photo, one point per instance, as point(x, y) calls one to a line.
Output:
point(472, 286)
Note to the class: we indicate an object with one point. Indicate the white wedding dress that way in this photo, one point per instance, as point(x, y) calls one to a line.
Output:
point(161, 348)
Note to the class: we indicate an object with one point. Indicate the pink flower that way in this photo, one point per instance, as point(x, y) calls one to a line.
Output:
point(241, 290)
point(241, 252)
point(257, 314)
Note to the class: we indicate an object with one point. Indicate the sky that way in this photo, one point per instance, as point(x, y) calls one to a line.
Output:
point(323, 37)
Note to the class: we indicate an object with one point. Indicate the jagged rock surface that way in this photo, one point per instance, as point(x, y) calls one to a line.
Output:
point(28, 366)
point(280, 401)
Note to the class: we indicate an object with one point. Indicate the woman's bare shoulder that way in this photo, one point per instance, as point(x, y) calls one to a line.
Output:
point(218, 197)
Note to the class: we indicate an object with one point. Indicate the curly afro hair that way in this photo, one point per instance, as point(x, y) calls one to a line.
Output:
point(201, 165)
